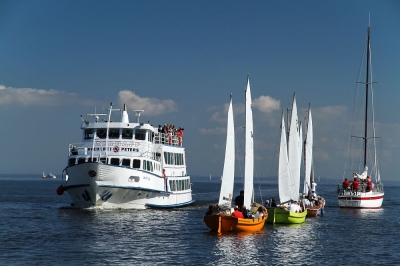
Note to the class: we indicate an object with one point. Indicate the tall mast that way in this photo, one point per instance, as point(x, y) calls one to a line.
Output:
point(366, 100)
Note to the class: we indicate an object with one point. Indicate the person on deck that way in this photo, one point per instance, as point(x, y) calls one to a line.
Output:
point(165, 178)
point(273, 203)
point(346, 183)
point(354, 186)
point(239, 200)
point(237, 213)
point(369, 184)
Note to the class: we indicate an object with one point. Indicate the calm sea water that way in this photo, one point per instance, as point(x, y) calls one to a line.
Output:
point(37, 227)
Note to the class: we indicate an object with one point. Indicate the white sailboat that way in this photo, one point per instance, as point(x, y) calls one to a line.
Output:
point(294, 152)
point(228, 174)
point(50, 175)
point(223, 221)
point(289, 172)
point(309, 185)
point(368, 195)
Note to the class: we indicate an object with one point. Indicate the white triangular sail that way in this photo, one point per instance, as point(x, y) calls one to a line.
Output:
point(249, 149)
point(228, 175)
point(294, 152)
point(308, 154)
point(283, 168)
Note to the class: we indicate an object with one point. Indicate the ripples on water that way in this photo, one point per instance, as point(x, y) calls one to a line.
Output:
point(38, 228)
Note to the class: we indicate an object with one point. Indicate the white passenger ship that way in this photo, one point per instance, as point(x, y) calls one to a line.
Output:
point(119, 165)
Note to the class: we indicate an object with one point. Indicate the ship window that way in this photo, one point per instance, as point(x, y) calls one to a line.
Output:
point(136, 163)
point(126, 162)
point(81, 160)
point(114, 161)
point(140, 135)
point(127, 134)
point(113, 133)
point(89, 133)
point(71, 162)
point(149, 166)
point(92, 160)
point(101, 133)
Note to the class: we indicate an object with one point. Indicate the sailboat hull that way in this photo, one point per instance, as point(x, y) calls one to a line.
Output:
point(313, 211)
point(367, 200)
point(222, 223)
point(281, 216)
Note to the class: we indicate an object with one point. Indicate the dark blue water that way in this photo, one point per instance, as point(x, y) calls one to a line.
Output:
point(38, 228)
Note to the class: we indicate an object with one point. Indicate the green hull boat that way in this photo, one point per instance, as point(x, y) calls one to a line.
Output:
point(281, 216)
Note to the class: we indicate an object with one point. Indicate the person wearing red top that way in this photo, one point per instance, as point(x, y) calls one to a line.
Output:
point(346, 183)
point(369, 184)
point(165, 178)
point(354, 185)
point(237, 213)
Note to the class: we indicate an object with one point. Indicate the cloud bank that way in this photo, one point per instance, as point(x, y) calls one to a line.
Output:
point(40, 97)
point(151, 106)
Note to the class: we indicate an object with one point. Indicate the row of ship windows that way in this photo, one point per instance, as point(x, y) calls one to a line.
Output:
point(177, 185)
point(135, 163)
point(116, 133)
point(173, 158)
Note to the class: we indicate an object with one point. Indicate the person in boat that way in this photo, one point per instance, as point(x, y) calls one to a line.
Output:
point(165, 178)
point(346, 184)
point(179, 133)
point(354, 185)
point(246, 213)
point(237, 213)
point(369, 184)
point(313, 185)
point(273, 203)
point(322, 204)
point(210, 210)
point(259, 213)
point(213, 210)
point(266, 205)
point(239, 200)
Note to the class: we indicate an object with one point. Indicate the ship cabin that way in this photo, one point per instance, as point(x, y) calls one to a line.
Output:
point(130, 145)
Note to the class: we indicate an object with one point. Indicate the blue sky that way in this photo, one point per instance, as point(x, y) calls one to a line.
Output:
point(180, 60)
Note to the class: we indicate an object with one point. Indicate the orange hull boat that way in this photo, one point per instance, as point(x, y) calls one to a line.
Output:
point(222, 223)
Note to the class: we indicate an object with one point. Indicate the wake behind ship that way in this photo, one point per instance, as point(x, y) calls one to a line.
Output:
point(126, 165)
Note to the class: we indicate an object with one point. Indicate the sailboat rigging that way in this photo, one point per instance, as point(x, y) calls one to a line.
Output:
point(362, 192)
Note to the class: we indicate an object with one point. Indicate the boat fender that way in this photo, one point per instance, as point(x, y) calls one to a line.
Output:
point(60, 190)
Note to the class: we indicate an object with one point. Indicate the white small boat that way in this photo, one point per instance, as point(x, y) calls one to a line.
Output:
point(368, 195)
point(50, 175)
point(126, 165)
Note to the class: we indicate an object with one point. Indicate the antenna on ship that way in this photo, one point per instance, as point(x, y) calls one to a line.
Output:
point(137, 114)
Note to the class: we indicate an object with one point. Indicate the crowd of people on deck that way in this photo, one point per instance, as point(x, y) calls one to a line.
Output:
point(354, 186)
point(170, 131)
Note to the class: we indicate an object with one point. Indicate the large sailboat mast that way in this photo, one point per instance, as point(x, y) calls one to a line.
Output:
point(366, 99)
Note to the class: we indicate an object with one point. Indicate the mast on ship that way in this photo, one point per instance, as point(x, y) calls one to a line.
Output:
point(366, 99)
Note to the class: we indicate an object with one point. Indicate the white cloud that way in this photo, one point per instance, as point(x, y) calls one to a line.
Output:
point(266, 104)
point(40, 97)
point(151, 106)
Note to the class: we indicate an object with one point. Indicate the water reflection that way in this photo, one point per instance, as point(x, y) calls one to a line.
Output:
point(238, 248)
